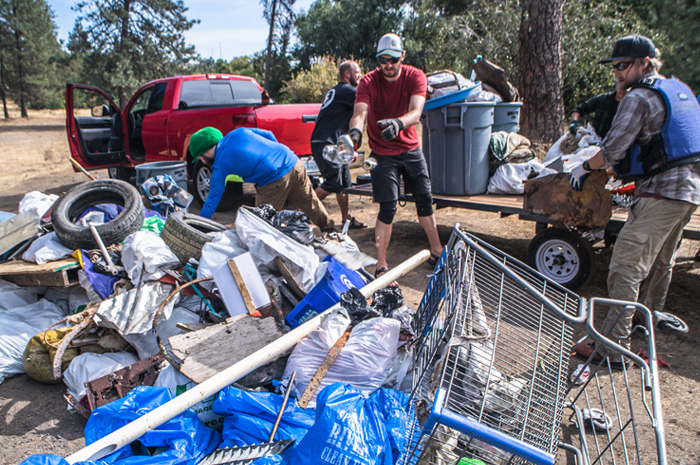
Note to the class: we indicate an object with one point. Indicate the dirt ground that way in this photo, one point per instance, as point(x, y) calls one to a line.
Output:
point(34, 418)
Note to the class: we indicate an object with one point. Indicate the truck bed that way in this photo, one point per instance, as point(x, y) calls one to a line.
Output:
point(508, 205)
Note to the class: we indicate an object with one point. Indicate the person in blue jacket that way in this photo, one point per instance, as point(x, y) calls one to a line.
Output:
point(256, 156)
point(653, 140)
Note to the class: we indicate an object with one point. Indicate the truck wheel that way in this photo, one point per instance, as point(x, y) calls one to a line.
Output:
point(121, 173)
point(202, 183)
point(562, 256)
point(73, 204)
point(186, 234)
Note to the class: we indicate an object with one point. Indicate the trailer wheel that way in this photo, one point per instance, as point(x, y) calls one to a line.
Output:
point(186, 234)
point(202, 184)
point(76, 201)
point(562, 256)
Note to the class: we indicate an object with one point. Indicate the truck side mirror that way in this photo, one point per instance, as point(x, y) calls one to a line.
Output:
point(100, 111)
point(265, 97)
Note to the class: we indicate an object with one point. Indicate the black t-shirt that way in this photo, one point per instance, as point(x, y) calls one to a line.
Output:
point(334, 118)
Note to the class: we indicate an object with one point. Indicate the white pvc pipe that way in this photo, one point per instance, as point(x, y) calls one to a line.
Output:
point(137, 428)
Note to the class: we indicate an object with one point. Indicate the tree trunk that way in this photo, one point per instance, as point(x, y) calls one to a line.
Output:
point(122, 53)
point(20, 67)
point(270, 37)
point(2, 90)
point(540, 83)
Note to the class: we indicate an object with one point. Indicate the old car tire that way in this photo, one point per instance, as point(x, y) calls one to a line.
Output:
point(202, 182)
point(186, 234)
point(73, 203)
point(562, 256)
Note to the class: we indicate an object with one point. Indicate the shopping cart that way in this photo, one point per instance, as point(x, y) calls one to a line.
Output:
point(491, 363)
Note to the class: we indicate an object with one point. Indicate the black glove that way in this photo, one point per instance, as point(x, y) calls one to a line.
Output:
point(391, 128)
point(573, 127)
point(356, 136)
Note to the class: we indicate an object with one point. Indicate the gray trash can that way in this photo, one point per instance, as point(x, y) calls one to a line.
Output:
point(176, 169)
point(506, 117)
point(456, 147)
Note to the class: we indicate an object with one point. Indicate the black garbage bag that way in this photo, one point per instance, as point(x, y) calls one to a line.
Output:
point(356, 305)
point(265, 211)
point(387, 300)
point(294, 224)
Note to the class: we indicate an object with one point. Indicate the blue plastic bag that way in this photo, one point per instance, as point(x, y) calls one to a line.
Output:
point(250, 416)
point(40, 459)
point(350, 428)
point(186, 438)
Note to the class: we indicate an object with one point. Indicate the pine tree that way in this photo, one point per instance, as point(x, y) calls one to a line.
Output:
point(127, 42)
point(28, 52)
point(280, 16)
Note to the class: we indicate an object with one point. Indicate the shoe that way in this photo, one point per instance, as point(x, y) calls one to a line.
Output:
point(670, 322)
point(585, 349)
point(380, 271)
point(432, 261)
point(356, 224)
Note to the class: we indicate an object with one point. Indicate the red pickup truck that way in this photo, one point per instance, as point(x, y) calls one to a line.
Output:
point(158, 121)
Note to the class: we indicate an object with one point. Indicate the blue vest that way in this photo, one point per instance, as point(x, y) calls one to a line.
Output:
point(679, 141)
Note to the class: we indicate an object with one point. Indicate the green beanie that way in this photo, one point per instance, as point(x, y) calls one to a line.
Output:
point(203, 140)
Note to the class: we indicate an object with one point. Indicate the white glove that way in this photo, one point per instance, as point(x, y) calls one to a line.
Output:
point(576, 177)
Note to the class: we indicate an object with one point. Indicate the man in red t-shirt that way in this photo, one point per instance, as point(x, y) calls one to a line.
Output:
point(391, 99)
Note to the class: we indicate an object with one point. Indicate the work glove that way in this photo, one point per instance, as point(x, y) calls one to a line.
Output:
point(573, 127)
point(391, 128)
point(356, 136)
point(576, 177)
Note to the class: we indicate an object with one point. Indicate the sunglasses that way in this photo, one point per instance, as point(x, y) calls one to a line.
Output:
point(392, 60)
point(623, 66)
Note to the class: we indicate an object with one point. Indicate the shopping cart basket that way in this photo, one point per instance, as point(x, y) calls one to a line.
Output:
point(491, 360)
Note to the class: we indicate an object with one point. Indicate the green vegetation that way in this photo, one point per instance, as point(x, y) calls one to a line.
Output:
point(118, 45)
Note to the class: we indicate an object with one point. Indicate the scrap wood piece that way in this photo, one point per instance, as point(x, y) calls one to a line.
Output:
point(323, 369)
point(58, 273)
point(116, 385)
point(211, 350)
point(553, 197)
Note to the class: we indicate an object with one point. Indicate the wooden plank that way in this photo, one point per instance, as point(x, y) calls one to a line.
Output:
point(59, 273)
point(211, 350)
point(240, 282)
point(323, 369)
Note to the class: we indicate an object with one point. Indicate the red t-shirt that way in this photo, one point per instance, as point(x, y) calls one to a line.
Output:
point(390, 100)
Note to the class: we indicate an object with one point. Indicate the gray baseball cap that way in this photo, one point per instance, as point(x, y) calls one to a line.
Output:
point(390, 44)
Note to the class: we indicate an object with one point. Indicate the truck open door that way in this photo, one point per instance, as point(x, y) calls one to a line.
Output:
point(94, 126)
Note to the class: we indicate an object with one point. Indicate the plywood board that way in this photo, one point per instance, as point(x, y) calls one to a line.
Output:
point(60, 273)
point(211, 350)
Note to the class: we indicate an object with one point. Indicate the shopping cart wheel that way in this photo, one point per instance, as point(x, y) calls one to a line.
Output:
point(561, 256)
point(597, 419)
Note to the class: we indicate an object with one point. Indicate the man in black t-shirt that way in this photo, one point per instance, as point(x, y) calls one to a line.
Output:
point(333, 120)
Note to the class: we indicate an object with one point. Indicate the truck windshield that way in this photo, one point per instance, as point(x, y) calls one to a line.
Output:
point(216, 93)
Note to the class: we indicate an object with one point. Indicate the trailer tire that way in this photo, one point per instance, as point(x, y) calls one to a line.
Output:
point(73, 203)
point(562, 256)
point(186, 234)
point(202, 182)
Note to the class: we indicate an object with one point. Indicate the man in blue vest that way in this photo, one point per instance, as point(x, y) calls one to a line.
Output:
point(655, 142)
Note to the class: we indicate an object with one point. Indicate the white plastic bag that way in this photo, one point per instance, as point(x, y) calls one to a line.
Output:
point(145, 255)
point(13, 296)
point(45, 249)
point(36, 202)
point(510, 177)
point(265, 243)
point(178, 383)
point(224, 246)
point(364, 362)
point(88, 366)
point(17, 327)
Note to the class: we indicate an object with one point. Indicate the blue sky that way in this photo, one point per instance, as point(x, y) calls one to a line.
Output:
point(227, 28)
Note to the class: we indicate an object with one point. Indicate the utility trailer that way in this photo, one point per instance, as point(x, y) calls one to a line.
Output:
point(561, 255)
